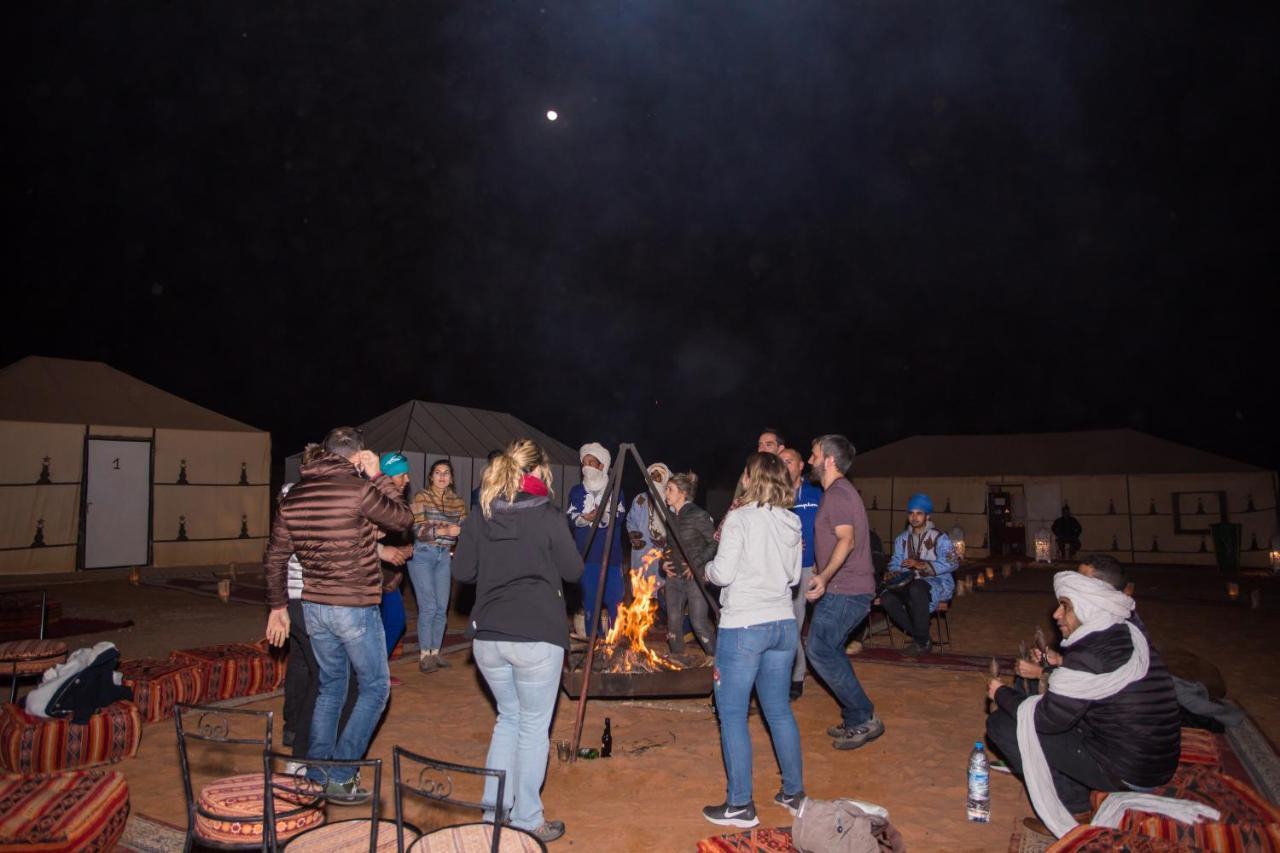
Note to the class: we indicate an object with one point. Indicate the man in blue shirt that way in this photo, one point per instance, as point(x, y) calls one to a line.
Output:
point(807, 498)
point(924, 558)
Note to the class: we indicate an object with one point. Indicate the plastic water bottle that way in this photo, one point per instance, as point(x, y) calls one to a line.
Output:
point(978, 806)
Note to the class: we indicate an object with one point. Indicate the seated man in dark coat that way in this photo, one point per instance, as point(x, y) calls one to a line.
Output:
point(1109, 720)
point(1066, 529)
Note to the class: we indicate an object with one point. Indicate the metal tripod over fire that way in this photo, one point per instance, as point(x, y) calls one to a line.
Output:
point(633, 668)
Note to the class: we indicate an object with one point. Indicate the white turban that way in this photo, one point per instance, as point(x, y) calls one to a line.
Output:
point(660, 466)
point(1098, 605)
point(592, 448)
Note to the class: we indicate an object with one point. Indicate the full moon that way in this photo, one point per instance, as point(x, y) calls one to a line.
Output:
point(552, 115)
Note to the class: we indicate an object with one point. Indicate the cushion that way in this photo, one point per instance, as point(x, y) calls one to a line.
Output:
point(1200, 747)
point(1098, 839)
point(31, 656)
point(350, 835)
point(35, 745)
point(234, 669)
point(158, 684)
point(76, 810)
point(237, 802)
point(476, 838)
point(1248, 822)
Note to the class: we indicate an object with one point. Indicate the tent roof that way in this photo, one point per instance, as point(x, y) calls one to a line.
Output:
point(438, 428)
point(66, 391)
point(1111, 451)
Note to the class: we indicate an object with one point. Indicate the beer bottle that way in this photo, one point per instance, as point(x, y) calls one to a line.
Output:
point(606, 740)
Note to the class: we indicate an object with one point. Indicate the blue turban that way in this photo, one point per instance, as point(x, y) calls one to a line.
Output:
point(920, 502)
point(393, 464)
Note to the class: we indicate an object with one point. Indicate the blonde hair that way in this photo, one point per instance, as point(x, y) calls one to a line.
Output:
point(687, 483)
point(505, 473)
point(768, 482)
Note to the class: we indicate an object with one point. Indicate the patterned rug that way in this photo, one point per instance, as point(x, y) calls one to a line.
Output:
point(759, 840)
point(1258, 757)
point(143, 834)
point(65, 628)
point(1024, 840)
point(933, 660)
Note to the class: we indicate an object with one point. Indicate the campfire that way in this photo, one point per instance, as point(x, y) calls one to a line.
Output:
point(624, 648)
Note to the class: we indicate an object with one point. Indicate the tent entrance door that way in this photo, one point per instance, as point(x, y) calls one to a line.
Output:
point(117, 503)
point(1005, 514)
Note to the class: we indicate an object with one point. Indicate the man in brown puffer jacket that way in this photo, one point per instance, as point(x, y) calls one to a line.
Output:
point(330, 520)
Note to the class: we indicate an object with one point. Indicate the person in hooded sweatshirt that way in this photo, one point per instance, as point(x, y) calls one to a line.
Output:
point(758, 563)
point(519, 553)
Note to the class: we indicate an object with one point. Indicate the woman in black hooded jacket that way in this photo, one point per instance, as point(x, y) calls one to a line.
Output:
point(518, 552)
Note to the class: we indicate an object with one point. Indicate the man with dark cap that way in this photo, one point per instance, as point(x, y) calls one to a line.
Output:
point(919, 576)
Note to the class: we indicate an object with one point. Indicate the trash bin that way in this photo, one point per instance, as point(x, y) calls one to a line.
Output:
point(1226, 546)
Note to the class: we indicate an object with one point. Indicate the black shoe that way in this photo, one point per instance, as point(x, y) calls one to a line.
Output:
point(727, 815)
point(797, 690)
point(860, 735)
point(790, 802)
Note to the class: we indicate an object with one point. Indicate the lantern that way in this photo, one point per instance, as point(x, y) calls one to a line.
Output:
point(957, 540)
point(1044, 546)
point(1275, 553)
point(1233, 590)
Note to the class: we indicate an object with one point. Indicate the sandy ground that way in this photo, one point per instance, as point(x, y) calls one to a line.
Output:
point(667, 754)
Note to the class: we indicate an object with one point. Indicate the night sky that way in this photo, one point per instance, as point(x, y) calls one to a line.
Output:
point(879, 219)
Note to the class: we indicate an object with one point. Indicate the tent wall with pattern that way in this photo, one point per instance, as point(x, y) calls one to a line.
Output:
point(100, 470)
point(1141, 498)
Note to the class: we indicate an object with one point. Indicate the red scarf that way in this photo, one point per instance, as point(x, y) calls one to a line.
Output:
point(533, 485)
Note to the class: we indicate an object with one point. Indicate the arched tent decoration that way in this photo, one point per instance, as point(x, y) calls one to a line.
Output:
point(99, 469)
point(1143, 498)
point(426, 432)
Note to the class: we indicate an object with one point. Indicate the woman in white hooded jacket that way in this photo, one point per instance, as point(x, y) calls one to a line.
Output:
point(757, 564)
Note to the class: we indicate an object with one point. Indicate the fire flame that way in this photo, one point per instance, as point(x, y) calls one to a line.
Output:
point(634, 621)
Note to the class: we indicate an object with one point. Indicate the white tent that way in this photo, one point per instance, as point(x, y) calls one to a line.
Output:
point(99, 469)
point(425, 432)
point(1145, 499)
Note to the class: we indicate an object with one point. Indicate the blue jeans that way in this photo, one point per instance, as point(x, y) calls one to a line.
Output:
point(392, 612)
point(524, 679)
point(834, 618)
point(342, 637)
point(429, 570)
point(760, 656)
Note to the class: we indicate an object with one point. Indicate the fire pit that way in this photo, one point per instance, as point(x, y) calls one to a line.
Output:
point(627, 685)
point(623, 664)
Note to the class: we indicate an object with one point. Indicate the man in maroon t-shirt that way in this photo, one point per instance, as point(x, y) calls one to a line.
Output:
point(843, 587)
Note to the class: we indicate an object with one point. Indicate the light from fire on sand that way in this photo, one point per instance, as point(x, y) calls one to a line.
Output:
point(625, 641)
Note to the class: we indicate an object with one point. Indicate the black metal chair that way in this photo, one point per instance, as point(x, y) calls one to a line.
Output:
point(294, 779)
point(433, 780)
point(231, 812)
point(31, 657)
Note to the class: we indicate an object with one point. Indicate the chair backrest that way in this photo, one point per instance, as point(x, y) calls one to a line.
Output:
point(214, 725)
point(433, 779)
point(308, 782)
